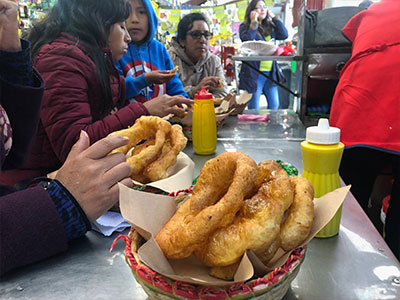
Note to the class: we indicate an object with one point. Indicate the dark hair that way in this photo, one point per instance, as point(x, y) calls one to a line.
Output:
point(365, 4)
point(186, 23)
point(265, 27)
point(90, 21)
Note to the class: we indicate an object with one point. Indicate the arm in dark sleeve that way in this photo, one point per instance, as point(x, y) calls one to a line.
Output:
point(22, 104)
point(248, 34)
point(16, 67)
point(31, 229)
point(281, 32)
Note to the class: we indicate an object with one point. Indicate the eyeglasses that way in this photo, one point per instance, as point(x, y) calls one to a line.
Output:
point(196, 34)
point(261, 7)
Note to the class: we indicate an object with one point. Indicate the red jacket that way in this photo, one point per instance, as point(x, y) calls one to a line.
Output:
point(69, 106)
point(366, 104)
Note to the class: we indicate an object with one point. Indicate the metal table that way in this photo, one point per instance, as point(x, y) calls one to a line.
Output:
point(356, 264)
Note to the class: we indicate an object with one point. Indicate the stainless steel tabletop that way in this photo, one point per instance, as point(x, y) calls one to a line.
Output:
point(263, 57)
point(356, 264)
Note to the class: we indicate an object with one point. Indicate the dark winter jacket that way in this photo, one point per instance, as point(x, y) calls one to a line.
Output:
point(25, 215)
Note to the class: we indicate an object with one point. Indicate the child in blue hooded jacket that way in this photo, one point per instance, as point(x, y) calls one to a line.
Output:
point(146, 65)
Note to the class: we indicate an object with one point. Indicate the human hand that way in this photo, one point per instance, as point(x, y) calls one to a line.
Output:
point(209, 83)
point(165, 105)
point(91, 175)
point(9, 39)
point(254, 15)
point(270, 14)
point(158, 77)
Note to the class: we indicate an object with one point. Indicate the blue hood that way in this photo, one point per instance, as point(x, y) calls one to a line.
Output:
point(153, 21)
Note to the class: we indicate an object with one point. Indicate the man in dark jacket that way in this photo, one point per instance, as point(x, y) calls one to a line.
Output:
point(38, 222)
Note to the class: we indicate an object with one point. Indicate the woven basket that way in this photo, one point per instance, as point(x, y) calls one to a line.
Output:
point(272, 286)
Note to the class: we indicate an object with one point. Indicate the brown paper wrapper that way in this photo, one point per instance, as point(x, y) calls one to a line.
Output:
point(241, 103)
point(148, 213)
point(180, 175)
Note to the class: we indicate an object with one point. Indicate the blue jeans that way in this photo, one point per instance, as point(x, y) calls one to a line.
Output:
point(270, 90)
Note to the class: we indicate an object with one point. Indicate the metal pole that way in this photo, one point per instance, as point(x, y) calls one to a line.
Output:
point(270, 78)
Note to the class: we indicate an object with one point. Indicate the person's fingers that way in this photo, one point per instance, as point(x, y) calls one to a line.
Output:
point(127, 182)
point(177, 111)
point(104, 146)
point(81, 145)
point(114, 193)
point(112, 160)
point(116, 174)
point(178, 100)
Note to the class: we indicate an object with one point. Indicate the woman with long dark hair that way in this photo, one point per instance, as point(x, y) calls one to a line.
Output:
point(260, 24)
point(74, 49)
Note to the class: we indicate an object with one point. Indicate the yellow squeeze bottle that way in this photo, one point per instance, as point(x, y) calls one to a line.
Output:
point(204, 124)
point(322, 152)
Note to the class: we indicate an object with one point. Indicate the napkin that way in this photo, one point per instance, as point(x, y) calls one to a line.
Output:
point(249, 117)
point(110, 222)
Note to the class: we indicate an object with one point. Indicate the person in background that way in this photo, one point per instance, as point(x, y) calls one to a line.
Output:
point(260, 24)
point(197, 65)
point(365, 4)
point(366, 107)
point(146, 66)
point(40, 221)
point(74, 50)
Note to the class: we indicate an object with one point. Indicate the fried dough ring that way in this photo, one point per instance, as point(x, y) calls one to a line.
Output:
point(214, 203)
point(146, 127)
point(158, 169)
point(174, 70)
point(297, 225)
point(220, 83)
point(225, 273)
point(255, 228)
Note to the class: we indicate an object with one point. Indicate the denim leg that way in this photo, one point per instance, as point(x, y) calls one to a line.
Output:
point(271, 92)
point(254, 102)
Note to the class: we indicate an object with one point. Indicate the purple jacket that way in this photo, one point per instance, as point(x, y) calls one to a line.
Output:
point(25, 215)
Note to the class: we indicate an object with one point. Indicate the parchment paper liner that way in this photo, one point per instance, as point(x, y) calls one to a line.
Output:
point(148, 213)
point(180, 175)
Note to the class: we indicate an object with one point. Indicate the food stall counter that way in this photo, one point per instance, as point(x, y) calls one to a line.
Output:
point(356, 264)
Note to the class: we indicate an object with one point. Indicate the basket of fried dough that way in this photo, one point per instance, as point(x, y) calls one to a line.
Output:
point(231, 228)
